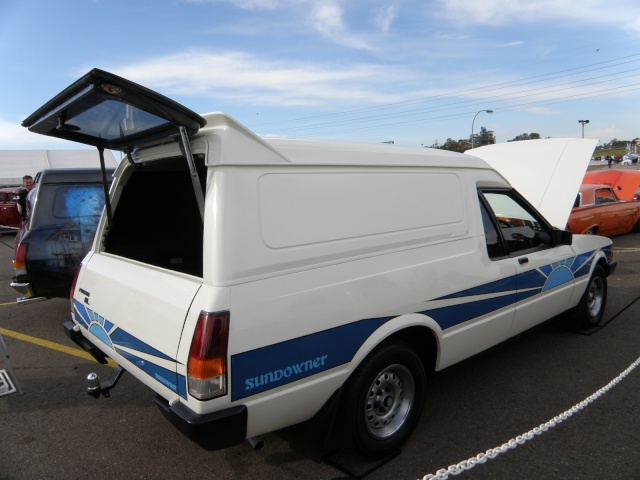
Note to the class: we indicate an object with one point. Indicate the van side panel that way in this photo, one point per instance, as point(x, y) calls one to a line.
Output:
point(299, 209)
point(279, 221)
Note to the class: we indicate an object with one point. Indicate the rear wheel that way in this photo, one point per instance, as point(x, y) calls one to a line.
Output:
point(382, 401)
point(591, 306)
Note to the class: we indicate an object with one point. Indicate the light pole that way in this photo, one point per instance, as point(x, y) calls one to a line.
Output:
point(583, 122)
point(474, 121)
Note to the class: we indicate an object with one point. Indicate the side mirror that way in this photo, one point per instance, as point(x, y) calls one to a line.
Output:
point(562, 237)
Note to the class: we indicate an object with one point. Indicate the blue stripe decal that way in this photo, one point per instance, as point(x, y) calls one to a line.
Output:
point(499, 286)
point(168, 378)
point(114, 337)
point(582, 265)
point(270, 367)
point(123, 339)
point(531, 279)
point(82, 315)
point(455, 314)
point(523, 295)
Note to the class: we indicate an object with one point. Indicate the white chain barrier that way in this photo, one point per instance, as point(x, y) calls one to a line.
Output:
point(443, 474)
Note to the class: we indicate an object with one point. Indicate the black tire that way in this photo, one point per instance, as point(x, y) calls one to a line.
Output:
point(591, 306)
point(382, 401)
point(636, 227)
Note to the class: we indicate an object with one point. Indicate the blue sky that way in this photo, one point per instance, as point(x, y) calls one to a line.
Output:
point(409, 71)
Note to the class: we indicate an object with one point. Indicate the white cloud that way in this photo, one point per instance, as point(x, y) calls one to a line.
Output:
point(541, 111)
point(325, 17)
point(505, 12)
point(245, 4)
point(13, 136)
point(251, 79)
point(385, 16)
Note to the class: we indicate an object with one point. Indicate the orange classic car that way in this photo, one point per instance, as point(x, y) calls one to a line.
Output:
point(598, 211)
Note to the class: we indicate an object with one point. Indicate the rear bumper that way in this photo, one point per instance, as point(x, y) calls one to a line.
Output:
point(23, 288)
point(26, 290)
point(211, 431)
point(76, 336)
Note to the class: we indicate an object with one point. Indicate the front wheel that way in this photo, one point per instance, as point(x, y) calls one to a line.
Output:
point(591, 306)
point(382, 401)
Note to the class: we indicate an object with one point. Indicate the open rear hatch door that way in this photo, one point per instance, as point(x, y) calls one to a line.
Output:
point(108, 111)
point(133, 311)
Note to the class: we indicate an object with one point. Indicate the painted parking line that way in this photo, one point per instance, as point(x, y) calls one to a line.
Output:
point(52, 345)
point(10, 303)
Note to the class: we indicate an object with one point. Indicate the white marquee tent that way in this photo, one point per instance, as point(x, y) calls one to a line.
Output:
point(14, 164)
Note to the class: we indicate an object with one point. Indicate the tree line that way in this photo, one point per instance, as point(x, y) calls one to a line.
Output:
point(485, 137)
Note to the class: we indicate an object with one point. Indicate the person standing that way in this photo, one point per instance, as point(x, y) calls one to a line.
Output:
point(27, 184)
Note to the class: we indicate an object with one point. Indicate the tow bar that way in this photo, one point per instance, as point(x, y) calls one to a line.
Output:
point(95, 387)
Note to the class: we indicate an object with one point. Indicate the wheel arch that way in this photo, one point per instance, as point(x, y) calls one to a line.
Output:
point(424, 341)
point(417, 330)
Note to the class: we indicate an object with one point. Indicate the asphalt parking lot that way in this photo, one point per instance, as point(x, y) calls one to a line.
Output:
point(54, 430)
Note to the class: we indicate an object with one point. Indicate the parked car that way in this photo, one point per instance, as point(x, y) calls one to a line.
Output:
point(10, 216)
point(65, 207)
point(624, 182)
point(629, 159)
point(598, 211)
point(310, 281)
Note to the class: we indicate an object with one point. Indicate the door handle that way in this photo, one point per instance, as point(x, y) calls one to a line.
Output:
point(523, 260)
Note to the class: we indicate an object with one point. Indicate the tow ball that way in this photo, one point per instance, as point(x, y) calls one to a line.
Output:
point(95, 387)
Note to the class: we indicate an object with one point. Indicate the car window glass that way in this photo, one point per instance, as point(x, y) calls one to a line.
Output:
point(605, 195)
point(520, 227)
point(78, 201)
point(495, 247)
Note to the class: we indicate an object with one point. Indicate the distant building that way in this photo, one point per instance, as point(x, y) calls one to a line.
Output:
point(14, 164)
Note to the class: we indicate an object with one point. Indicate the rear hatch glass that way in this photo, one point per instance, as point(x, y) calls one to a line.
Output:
point(108, 111)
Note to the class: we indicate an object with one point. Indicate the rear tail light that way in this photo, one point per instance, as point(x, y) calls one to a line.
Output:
point(20, 259)
point(207, 365)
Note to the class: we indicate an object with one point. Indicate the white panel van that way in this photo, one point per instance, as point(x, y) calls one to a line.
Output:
point(306, 280)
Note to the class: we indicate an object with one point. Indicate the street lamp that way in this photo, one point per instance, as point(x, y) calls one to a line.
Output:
point(583, 122)
point(474, 120)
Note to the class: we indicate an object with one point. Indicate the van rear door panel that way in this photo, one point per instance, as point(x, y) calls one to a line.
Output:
point(136, 314)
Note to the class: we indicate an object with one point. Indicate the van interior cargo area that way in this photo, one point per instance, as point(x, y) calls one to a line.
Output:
point(157, 221)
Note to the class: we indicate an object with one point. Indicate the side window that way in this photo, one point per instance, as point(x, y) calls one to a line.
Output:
point(520, 226)
point(605, 195)
point(495, 247)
